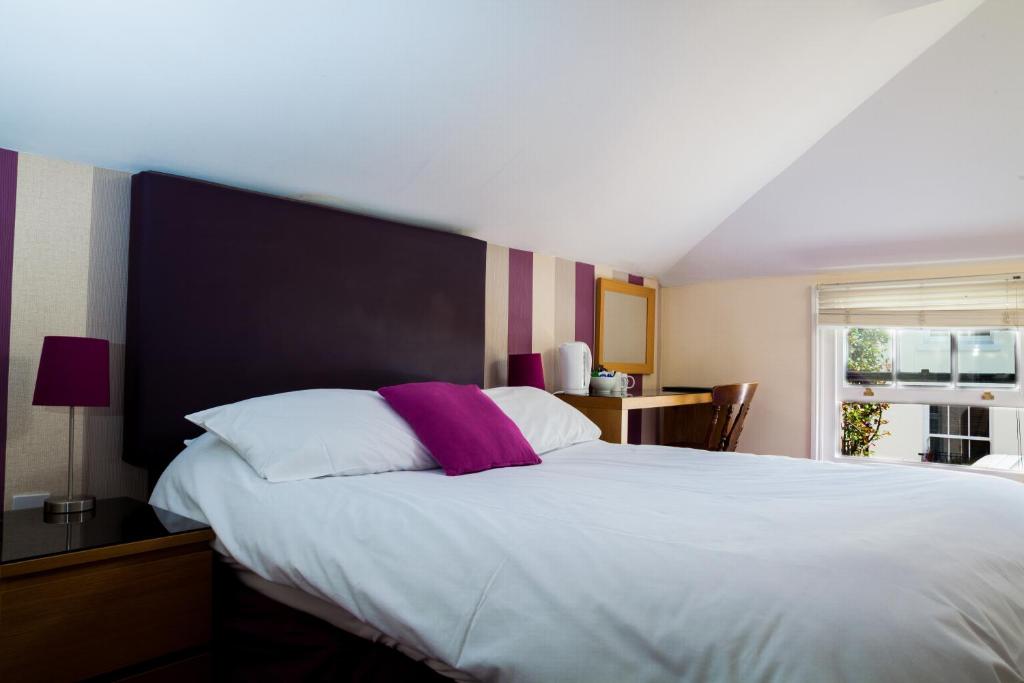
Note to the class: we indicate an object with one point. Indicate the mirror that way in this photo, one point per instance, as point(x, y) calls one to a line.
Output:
point(625, 327)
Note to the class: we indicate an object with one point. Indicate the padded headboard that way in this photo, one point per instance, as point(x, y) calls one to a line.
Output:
point(234, 294)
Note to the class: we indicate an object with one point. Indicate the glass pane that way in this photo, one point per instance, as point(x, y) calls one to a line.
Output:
point(959, 452)
point(958, 422)
point(952, 451)
point(979, 449)
point(925, 356)
point(868, 356)
point(987, 357)
point(938, 419)
point(979, 422)
point(938, 449)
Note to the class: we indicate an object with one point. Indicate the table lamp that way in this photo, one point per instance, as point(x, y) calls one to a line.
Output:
point(73, 372)
point(525, 370)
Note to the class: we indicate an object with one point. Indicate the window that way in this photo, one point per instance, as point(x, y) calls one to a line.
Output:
point(957, 435)
point(912, 414)
point(922, 372)
point(928, 357)
point(937, 364)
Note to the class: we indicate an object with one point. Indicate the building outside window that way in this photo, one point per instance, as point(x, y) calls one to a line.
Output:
point(957, 435)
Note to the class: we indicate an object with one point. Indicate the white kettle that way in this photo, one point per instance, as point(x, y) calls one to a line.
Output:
point(574, 364)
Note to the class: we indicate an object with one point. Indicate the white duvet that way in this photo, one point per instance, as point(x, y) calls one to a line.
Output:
point(643, 563)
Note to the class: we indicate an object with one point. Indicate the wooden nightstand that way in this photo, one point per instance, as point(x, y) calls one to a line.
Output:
point(118, 595)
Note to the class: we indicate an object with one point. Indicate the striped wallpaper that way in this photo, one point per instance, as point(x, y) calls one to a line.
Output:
point(63, 270)
point(535, 303)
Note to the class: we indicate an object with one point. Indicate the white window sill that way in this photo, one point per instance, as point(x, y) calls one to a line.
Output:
point(966, 469)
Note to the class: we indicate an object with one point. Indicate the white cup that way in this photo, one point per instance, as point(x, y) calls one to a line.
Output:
point(624, 382)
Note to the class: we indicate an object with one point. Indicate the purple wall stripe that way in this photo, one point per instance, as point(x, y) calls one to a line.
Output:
point(636, 417)
point(520, 301)
point(8, 192)
point(585, 279)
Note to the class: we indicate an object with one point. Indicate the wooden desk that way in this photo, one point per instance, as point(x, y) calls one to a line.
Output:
point(611, 413)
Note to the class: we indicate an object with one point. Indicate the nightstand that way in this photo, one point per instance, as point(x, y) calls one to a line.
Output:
point(125, 594)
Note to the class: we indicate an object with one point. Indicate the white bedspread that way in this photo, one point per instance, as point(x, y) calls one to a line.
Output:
point(625, 563)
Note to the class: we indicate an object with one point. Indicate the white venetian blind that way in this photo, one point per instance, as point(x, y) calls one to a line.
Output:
point(982, 301)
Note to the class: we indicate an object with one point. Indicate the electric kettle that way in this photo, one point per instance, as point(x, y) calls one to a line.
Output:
point(574, 364)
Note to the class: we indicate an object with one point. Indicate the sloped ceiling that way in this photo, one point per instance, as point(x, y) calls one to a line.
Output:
point(616, 132)
point(930, 169)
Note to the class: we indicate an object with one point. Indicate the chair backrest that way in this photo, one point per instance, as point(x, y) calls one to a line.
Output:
point(730, 405)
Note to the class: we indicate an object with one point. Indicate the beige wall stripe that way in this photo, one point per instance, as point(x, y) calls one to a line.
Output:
point(565, 311)
point(544, 313)
point(106, 474)
point(496, 317)
point(48, 297)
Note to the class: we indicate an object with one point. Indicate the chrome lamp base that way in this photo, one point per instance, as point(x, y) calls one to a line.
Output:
point(68, 509)
point(62, 505)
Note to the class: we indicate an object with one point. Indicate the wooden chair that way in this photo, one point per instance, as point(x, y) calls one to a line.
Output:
point(723, 418)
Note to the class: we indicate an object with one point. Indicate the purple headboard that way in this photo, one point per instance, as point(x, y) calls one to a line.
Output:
point(233, 294)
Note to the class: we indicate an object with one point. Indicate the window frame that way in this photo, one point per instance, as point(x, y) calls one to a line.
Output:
point(830, 390)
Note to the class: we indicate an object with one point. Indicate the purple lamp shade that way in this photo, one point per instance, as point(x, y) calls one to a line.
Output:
point(525, 370)
point(73, 371)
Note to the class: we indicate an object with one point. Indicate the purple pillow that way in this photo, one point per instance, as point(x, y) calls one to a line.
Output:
point(462, 428)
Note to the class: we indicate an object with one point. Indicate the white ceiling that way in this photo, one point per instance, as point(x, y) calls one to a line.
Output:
point(930, 169)
point(619, 132)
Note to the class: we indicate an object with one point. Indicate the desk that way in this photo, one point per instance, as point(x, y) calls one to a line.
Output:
point(610, 413)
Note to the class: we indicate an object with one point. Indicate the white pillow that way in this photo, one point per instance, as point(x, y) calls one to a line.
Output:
point(317, 433)
point(547, 422)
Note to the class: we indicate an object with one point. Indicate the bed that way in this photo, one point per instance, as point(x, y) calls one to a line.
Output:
point(603, 563)
point(645, 563)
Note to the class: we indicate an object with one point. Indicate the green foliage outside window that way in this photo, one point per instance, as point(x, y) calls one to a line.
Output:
point(867, 351)
point(863, 425)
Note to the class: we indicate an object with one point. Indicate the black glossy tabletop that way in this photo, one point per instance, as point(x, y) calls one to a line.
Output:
point(24, 534)
point(648, 392)
point(686, 390)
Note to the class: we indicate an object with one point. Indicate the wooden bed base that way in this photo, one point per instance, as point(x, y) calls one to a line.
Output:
point(259, 639)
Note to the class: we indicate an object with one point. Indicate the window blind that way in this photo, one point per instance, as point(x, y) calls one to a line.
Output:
point(983, 301)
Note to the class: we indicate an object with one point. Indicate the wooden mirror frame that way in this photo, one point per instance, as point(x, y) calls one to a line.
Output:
point(605, 285)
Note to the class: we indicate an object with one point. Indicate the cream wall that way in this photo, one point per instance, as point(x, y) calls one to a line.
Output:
point(759, 330)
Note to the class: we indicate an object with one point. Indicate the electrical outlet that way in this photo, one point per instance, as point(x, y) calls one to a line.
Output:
point(25, 501)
